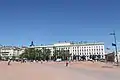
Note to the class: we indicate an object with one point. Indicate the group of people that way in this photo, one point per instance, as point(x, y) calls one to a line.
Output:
point(24, 61)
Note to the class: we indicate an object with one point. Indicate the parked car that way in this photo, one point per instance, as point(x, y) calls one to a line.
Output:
point(90, 59)
point(58, 60)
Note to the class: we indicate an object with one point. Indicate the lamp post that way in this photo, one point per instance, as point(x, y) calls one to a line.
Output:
point(115, 44)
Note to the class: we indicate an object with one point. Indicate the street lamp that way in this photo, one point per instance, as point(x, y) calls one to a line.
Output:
point(115, 44)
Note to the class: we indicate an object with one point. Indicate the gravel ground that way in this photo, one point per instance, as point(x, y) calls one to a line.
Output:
point(58, 71)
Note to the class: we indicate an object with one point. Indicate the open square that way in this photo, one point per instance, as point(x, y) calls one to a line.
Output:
point(58, 71)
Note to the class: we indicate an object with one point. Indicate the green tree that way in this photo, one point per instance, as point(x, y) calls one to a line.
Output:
point(29, 54)
point(38, 54)
point(56, 54)
point(35, 54)
point(63, 54)
point(13, 57)
point(46, 53)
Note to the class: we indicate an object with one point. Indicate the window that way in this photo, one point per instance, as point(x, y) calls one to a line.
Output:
point(85, 53)
point(99, 46)
point(102, 56)
point(90, 53)
point(99, 53)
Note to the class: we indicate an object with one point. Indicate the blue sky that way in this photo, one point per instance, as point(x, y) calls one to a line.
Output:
point(49, 21)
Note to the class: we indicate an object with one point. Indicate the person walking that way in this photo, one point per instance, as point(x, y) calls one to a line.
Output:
point(9, 62)
point(66, 63)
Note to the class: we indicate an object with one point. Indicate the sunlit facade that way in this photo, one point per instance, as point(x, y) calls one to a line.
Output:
point(78, 49)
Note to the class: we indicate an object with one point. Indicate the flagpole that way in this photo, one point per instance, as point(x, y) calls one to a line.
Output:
point(116, 47)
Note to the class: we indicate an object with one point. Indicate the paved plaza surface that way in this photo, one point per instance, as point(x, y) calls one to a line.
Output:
point(58, 71)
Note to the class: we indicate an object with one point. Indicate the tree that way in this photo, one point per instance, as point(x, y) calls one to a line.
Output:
point(83, 57)
point(93, 57)
point(65, 55)
point(98, 57)
point(29, 54)
point(38, 55)
point(13, 57)
point(62, 54)
point(56, 54)
point(35, 54)
point(46, 54)
point(74, 57)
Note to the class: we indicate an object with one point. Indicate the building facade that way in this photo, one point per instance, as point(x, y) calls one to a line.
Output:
point(78, 49)
point(9, 51)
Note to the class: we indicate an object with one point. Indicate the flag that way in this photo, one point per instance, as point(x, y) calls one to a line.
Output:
point(112, 33)
point(113, 44)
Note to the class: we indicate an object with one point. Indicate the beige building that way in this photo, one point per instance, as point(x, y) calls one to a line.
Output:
point(78, 49)
point(9, 51)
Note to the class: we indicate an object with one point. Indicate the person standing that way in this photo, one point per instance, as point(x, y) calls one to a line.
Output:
point(41, 61)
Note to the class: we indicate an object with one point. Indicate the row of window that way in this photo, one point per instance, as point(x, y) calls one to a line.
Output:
point(88, 47)
point(89, 50)
point(83, 49)
point(79, 47)
point(63, 48)
point(89, 53)
point(89, 56)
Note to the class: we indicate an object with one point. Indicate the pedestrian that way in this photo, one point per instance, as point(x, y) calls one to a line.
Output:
point(66, 63)
point(9, 62)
